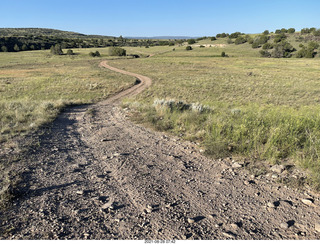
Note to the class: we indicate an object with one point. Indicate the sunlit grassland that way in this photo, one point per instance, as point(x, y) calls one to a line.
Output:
point(261, 108)
point(35, 86)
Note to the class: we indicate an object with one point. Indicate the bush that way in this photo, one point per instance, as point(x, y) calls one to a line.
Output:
point(267, 46)
point(266, 32)
point(291, 30)
point(282, 50)
point(240, 40)
point(229, 41)
point(255, 45)
point(213, 38)
point(56, 50)
point(264, 53)
point(260, 40)
point(117, 51)
point(94, 54)
point(316, 32)
point(235, 35)
point(70, 52)
point(313, 45)
point(222, 35)
point(191, 41)
point(188, 48)
point(223, 54)
point(279, 38)
point(4, 49)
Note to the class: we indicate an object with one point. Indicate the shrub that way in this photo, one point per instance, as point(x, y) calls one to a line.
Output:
point(291, 30)
point(264, 53)
point(213, 38)
point(97, 54)
point(282, 50)
point(222, 35)
point(266, 32)
point(316, 32)
point(306, 53)
point(70, 52)
point(16, 48)
point(191, 41)
point(313, 45)
point(240, 40)
point(267, 46)
point(4, 49)
point(235, 35)
point(56, 50)
point(229, 41)
point(188, 48)
point(260, 40)
point(255, 45)
point(223, 54)
point(279, 38)
point(117, 51)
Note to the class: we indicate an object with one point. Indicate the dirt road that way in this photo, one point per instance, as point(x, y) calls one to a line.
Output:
point(96, 175)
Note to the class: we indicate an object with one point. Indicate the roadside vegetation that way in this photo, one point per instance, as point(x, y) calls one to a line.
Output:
point(243, 105)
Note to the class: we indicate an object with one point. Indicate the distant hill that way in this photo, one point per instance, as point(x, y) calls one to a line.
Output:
point(162, 37)
point(19, 32)
point(25, 39)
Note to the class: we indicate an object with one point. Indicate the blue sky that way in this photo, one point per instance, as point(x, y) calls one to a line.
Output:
point(160, 17)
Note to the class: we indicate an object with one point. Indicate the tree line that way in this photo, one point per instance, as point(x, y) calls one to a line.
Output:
point(277, 44)
point(25, 43)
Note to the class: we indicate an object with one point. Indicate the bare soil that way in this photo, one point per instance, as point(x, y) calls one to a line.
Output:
point(96, 175)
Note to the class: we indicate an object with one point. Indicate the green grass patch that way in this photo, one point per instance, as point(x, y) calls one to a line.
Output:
point(35, 86)
point(261, 108)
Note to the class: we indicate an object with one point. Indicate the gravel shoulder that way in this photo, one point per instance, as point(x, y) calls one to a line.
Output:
point(97, 175)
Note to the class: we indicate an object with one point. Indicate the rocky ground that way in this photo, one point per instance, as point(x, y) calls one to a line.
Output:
point(96, 175)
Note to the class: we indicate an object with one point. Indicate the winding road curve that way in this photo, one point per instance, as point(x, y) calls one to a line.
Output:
point(96, 175)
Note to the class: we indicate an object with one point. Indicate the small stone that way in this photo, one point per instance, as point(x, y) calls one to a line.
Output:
point(79, 192)
point(212, 216)
point(191, 220)
point(307, 201)
point(317, 226)
point(229, 234)
point(236, 165)
point(284, 225)
point(107, 205)
point(234, 226)
point(271, 205)
point(148, 210)
point(277, 168)
point(149, 206)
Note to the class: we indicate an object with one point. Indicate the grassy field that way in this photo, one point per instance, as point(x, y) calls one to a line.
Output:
point(35, 86)
point(243, 105)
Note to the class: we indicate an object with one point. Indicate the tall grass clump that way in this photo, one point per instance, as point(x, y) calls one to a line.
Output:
point(269, 132)
point(17, 117)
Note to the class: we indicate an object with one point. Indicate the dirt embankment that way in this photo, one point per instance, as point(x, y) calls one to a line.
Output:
point(96, 175)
